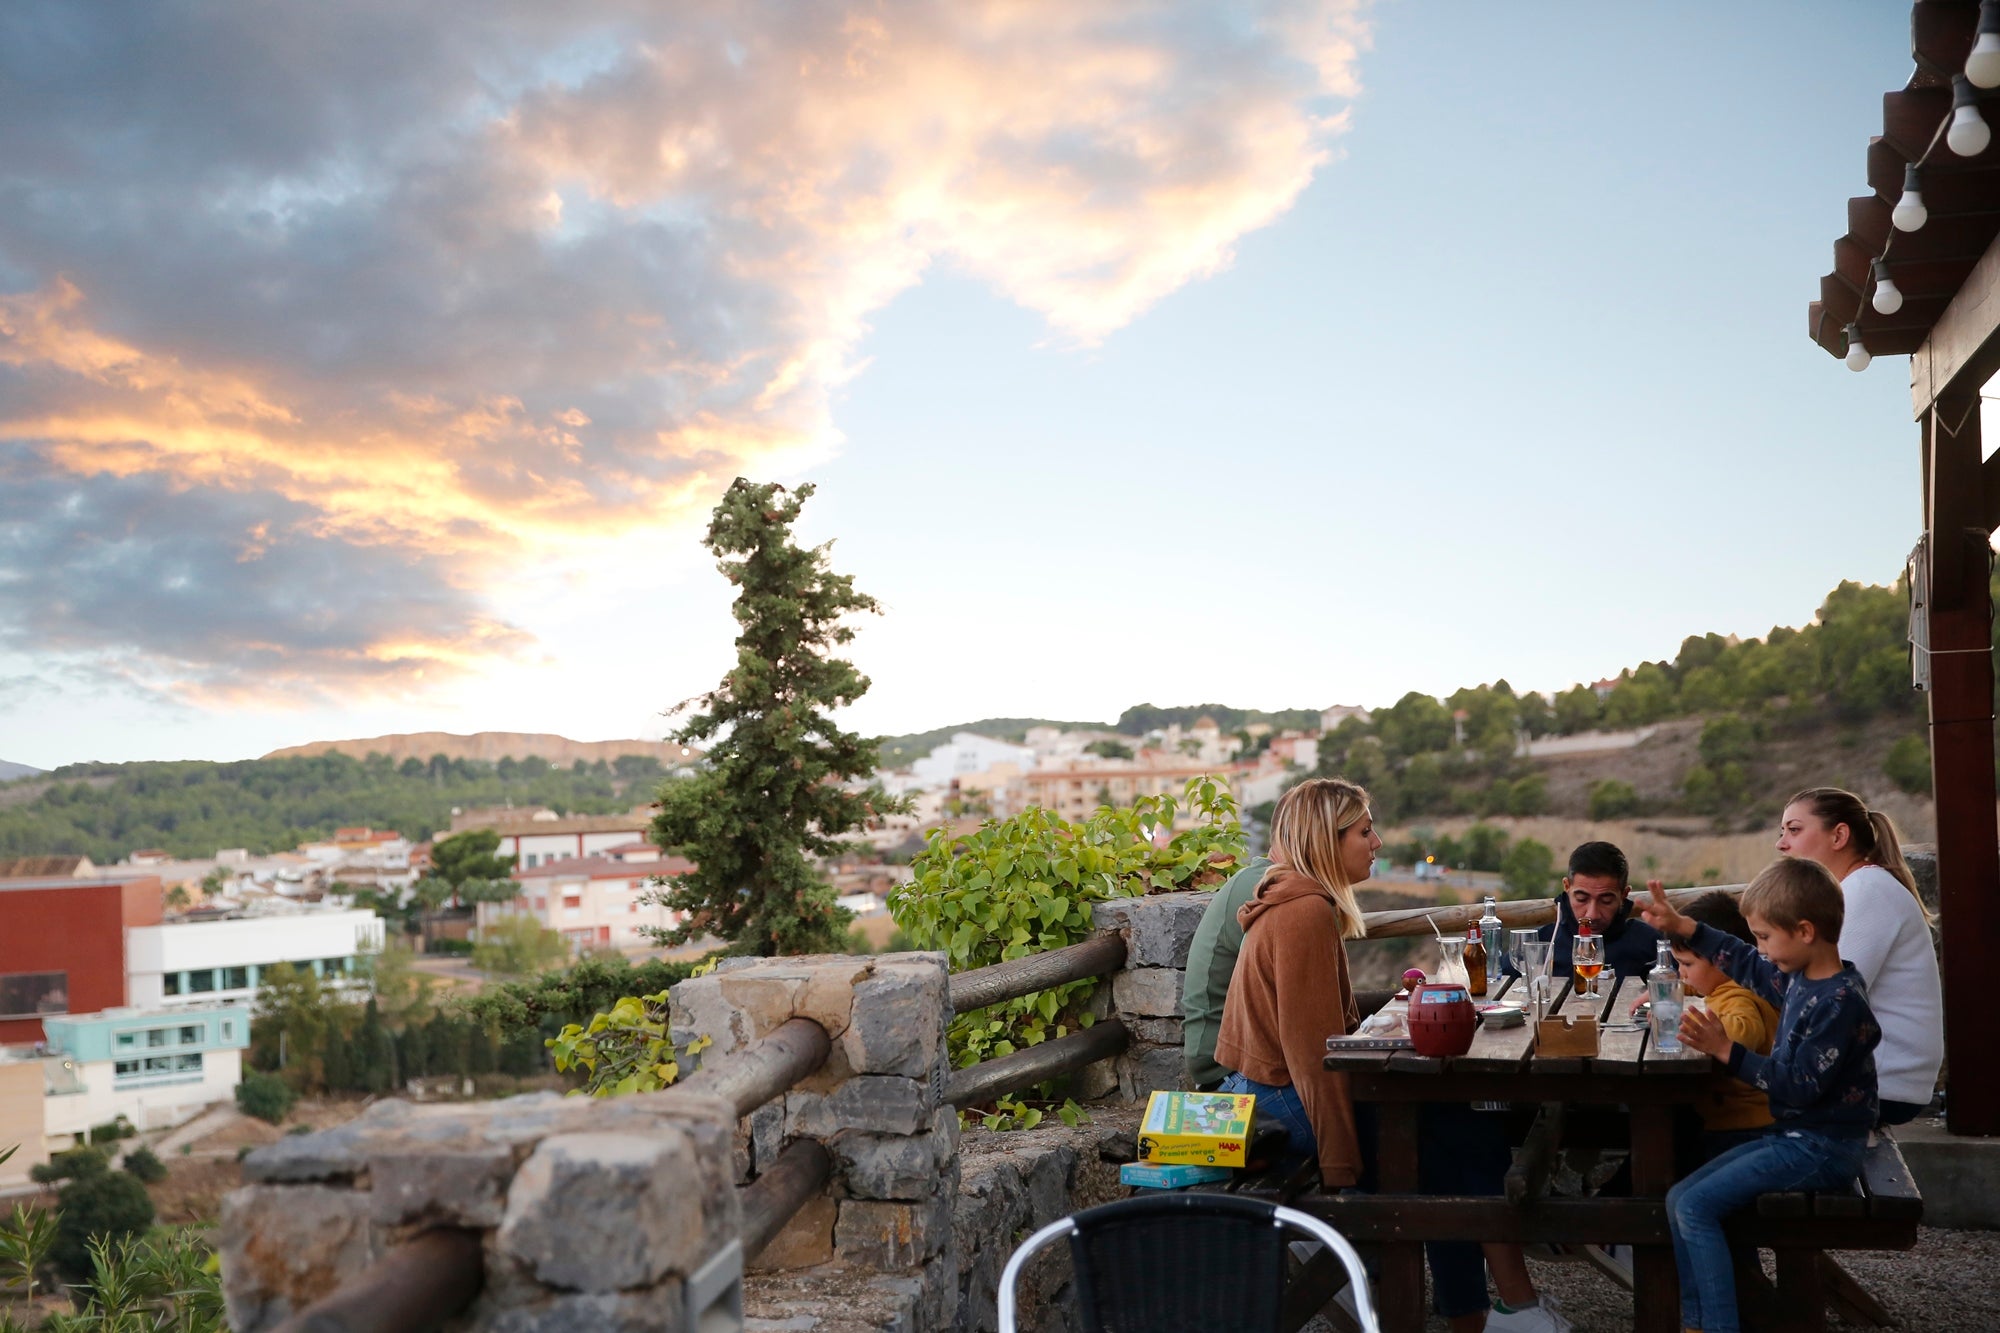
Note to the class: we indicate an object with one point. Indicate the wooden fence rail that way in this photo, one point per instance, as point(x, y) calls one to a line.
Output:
point(1037, 1064)
point(413, 1288)
point(1095, 957)
point(793, 1050)
point(1515, 914)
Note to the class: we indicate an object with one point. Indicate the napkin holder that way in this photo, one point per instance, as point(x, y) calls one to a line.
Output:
point(1567, 1036)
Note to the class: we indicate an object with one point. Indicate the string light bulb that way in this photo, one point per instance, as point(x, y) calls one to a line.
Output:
point(1982, 67)
point(1910, 213)
point(1888, 299)
point(1857, 355)
point(1969, 133)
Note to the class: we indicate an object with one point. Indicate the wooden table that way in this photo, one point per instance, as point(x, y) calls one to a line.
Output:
point(1502, 1066)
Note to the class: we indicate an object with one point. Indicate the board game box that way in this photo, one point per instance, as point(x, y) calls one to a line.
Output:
point(1154, 1177)
point(1196, 1128)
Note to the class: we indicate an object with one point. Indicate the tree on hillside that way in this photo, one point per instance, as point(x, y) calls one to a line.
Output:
point(467, 863)
point(517, 946)
point(774, 790)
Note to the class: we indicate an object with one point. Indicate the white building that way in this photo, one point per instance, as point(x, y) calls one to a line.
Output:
point(1339, 713)
point(542, 837)
point(593, 902)
point(965, 754)
point(154, 1067)
point(203, 962)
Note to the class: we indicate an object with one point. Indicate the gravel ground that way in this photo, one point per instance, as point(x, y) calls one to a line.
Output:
point(1950, 1283)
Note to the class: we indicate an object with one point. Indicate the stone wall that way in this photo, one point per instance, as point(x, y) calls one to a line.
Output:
point(1146, 994)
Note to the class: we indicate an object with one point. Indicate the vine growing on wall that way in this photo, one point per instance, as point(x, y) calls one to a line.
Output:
point(1027, 884)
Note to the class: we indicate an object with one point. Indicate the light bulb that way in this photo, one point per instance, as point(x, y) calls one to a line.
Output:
point(1982, 67)
point(1969, 134)
point(1909, 213)
point(1857, 355)
point(1887, 299)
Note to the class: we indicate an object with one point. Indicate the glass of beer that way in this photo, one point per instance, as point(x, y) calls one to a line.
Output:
point(1587, 957)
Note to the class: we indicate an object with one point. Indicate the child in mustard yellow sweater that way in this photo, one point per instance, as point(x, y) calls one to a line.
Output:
point(1732, 1111)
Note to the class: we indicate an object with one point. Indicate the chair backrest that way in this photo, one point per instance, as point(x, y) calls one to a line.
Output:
point(1178, 1260)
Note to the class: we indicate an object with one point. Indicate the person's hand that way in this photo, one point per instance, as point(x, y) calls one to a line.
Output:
point(1660, 914)
point(1702, 1031)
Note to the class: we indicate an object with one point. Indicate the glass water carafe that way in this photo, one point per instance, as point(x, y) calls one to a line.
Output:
point(1451, 965)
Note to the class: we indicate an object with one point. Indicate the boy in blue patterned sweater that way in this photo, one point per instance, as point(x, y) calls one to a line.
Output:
point(1820, 1074)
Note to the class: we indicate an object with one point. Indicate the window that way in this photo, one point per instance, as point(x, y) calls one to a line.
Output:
point(127, 1040)
point(235, 978)
point(333, 967)
point(228, 1030)
point(125, 1068)
point(191, 1036)
point(31, 994)
point(171, 983)
point(204, 980)
point(190, 1062)
point(156, 1036)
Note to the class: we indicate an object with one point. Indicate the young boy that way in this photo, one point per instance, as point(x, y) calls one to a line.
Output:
point(1733, 1112)
point(1820, 1075)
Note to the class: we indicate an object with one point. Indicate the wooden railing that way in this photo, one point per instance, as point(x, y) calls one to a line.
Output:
point(1098, 956)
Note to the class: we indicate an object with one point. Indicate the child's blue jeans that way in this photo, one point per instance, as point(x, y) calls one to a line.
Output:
point(1783, 1160)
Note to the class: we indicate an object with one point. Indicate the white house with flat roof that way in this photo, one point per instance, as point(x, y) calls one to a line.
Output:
point(200, 962)
point(155, 1067)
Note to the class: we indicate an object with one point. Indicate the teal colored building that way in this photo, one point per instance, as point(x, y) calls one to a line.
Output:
point(151, 1048)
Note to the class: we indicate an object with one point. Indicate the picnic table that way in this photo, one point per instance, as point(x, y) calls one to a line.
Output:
point(1503, 1065)
point(1623, 1096)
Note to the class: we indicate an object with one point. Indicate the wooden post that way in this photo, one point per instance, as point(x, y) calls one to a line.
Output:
point(1962, 758)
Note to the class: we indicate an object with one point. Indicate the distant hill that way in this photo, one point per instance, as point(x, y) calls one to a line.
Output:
point(8, 772)
point(490, 746)
point(898, 751)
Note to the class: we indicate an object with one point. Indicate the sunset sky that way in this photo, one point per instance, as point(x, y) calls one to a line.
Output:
point(372, 367)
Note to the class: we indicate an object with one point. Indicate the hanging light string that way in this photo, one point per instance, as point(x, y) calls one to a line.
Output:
point(1966, 133)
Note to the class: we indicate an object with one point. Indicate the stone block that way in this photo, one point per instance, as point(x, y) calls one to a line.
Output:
point(1154, 1031)
point(1158, 928)
point(805, 1242)
point(285, 1247)
point(608, 1212)
point(887, 1166)
point(1096, 1080)
point(1144, 1070)
point(659, 1309)
point(892, 1237)
point(876, 1104)
point(767, 1134)
point(899, 1017)
point(738, 1005)
point(1046, 1179)
point(464, 1188)
point(1151, 992)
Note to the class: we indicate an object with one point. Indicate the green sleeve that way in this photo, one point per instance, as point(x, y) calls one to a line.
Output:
point(1211, 962)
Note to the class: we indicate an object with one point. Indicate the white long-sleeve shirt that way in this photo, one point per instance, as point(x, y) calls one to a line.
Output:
point(1885, 936)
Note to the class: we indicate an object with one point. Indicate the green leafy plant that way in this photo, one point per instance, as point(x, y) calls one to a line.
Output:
point(107, 1204)
point(145, 1164)
point(626, 1048)
point(1027, 884)
point(26, 1238)
point(167, 1282)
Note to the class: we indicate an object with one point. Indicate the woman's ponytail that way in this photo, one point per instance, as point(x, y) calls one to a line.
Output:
point(1888, 853)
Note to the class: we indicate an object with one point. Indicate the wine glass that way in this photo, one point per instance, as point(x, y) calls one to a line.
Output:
point(1587, 957)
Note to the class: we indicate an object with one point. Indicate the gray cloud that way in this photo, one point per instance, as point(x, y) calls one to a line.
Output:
point(431, 289)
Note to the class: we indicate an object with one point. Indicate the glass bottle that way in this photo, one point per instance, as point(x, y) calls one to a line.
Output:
point(1666, 994)
point(1475, 962)
point(1495, 945)
point(1451, 968)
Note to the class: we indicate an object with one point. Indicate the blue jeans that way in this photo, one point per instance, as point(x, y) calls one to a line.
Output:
point(1460, 1151)
point(1783, 1160)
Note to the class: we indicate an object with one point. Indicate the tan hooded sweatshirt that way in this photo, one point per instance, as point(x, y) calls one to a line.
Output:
point(1289, 994)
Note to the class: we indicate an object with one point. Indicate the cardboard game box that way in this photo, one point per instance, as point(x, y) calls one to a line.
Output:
point(1198, 1128)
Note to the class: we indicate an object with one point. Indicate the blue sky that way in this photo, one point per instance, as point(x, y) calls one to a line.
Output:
point(1517, 385)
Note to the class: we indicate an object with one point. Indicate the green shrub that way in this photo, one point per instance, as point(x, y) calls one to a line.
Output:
point(1908, 765)
point(112, 1130)
point(146, 1165)
point(265, 1096)
point(77, 1163)
point(1027, 885)
point(109, 1204)
point(1612, 799)
point(1528, 870)
point(455, 948)
point(1725, 739)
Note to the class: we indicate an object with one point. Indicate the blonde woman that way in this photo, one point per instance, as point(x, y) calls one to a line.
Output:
point(1291, 991)
point(1886, 935)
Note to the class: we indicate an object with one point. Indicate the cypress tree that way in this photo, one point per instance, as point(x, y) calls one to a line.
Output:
point(773, 791)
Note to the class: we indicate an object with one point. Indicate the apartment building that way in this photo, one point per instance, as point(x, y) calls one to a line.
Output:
point(222, 958)
point(593, 902)
point(542, 837)
point(64, 944)
point(155, 1067)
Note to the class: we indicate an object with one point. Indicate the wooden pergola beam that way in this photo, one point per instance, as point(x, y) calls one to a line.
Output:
point(1962, 352)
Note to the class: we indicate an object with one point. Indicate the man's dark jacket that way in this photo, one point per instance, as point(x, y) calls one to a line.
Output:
point(1628, 944)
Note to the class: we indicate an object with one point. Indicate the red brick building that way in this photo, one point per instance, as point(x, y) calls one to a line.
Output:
point(62, 946)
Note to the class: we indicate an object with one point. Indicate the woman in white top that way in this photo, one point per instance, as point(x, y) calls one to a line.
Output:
point(1886, 934)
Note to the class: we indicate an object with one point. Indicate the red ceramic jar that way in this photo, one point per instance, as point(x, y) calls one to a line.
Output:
point(1442, 1020)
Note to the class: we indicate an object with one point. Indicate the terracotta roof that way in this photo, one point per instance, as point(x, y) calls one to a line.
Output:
point(41, 867)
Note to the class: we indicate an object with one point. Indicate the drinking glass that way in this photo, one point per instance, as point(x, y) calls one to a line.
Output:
point(1535, 971)
point(1516, 940)
point(1587, 956)
point(1451, 968)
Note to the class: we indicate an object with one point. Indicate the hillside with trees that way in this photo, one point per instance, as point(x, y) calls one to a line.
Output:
point(191, 808)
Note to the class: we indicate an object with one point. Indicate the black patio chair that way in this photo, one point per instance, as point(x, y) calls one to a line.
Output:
point(1183, 1261)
